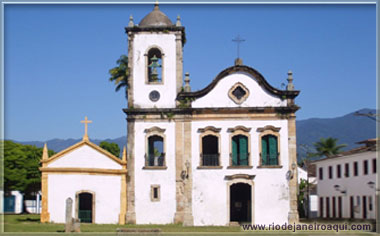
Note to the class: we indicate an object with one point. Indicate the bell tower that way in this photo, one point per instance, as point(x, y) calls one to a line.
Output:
point(155, 48)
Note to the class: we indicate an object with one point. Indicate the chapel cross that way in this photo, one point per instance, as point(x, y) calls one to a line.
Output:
point(238, 40)
point(86, 122)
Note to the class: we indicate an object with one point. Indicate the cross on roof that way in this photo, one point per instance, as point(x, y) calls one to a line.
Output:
point(238, 40)
point(86, 122)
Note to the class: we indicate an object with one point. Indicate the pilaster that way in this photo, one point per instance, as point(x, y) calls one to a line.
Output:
point(293, 185)
point(130, 179)
point(123, 194)
point(179, 60)
point(45, 215)
point(130, 68)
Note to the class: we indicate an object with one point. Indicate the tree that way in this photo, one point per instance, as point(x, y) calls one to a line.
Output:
point(327, 147)
point(113, 148)
point(120, 74)
point(21, 163)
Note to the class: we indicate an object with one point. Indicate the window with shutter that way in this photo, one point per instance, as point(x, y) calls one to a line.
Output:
point(269, 150)
point(240, 150)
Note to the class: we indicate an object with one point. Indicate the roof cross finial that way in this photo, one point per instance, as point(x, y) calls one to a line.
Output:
point(156, 5)
point(86, 122)
point(238, 40)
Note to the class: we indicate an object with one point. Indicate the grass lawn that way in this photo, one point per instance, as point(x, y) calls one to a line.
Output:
point(31, 223)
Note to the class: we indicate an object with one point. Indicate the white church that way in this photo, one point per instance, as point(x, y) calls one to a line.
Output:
point(222, 155)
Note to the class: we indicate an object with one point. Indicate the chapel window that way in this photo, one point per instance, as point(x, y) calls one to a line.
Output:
point(210, 150)
point(155, 155)
point(154, 66)
point(269, 150)
point(240, 150)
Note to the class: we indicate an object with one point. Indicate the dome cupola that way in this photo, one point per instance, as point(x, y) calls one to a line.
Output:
point(156, 18)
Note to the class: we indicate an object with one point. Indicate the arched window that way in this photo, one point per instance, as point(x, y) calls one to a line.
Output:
point(154, 66)
point(210, 150)
point(239, 150)
point(155, 155)
point(269, 150)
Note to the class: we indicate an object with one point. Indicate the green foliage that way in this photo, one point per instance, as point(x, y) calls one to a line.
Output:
point(113, 148)
point(21, 163)
point(120, 73)
point(327, 147)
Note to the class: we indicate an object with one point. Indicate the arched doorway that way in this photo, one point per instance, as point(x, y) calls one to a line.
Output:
point(240, 202)
point(85, 201)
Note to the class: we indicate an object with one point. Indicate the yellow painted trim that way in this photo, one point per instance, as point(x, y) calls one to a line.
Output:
point(79, 144)
point(45, 215)
point(123, 200)
point(74, 170)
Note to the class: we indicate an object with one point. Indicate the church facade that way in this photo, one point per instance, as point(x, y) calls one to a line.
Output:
point(217, 156)
point(222, 155)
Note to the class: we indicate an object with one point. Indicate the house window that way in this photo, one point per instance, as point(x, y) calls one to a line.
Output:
point(155, 193)
point(338, 171)
point(327, 207)
point(374, 166)
point(330, 172)
point(355, 168)
point(320, 173)
point(156, 155)
point(370, 203)
point(240, 150)
point(269, 150)
point(154, 65)
point(365, 167)
point(321, 207)
point(210, 150)
point(347, 170)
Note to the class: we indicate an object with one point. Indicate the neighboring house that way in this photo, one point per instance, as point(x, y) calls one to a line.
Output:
point(13, 202)
point(346, 183)
point(217, 156)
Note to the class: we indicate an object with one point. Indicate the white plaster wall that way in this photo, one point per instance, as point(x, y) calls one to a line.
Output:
point(271, 192)
point(354, 185)
point(85, 157)
point(258, 96)
point(142, 43)
point(159, 212)
point(107, 190)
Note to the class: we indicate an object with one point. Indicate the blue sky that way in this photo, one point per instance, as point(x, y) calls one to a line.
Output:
point(57, 59)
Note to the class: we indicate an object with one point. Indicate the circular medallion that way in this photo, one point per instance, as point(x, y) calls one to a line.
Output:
point(154, 96)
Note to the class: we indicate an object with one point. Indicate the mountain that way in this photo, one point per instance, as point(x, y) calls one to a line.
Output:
point(348, 129)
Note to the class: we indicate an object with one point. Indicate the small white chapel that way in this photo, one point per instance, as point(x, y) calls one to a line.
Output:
point(222, 155)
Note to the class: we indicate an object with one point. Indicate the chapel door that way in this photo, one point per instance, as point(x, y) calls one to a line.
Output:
point(240, 203)
point(85, 207)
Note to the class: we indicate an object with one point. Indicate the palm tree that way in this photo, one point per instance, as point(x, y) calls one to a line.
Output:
point(120, 74)
point(327, 147)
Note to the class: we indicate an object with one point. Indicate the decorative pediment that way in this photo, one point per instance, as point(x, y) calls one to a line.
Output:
point(154, 129)
point(269, 127)
point(239, 127)
point(209, 128)
point(239, 176)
